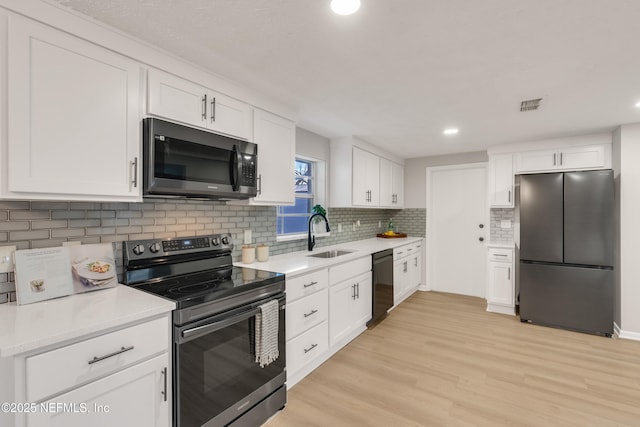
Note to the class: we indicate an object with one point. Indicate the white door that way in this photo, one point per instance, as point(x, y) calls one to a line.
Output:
point(457, 229)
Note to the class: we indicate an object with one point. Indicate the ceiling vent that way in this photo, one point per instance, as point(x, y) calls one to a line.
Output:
point(530, 104)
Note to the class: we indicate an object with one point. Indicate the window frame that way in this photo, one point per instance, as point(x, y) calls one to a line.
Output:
point(319, 185)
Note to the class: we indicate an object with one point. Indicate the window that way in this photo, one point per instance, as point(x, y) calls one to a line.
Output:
point(308, 177)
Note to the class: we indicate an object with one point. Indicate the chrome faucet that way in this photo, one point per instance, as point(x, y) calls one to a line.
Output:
point(311, 242)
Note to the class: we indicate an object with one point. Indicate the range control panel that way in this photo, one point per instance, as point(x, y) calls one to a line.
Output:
point(153, 248)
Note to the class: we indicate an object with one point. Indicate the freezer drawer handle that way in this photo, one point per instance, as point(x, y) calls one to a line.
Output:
point(106, 356)
point(307, 285)
point(311, 313)
point(307, 350)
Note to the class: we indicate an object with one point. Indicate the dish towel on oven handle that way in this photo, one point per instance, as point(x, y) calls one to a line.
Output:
point(267, 333)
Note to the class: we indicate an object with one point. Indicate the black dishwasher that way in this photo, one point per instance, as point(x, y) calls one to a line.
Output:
point(382, 299)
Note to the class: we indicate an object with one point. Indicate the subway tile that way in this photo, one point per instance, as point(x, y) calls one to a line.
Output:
point(48, 243)
point(129, 214)
point(4, 215)
point(114, 206)
point(89, 240)
point(46, 205)
point(67, 232)
point(165, 221)
point(129, 229)
point(112, 222)
point(38, 225)
point(84, 206)
point(154, 214)
point(153, 228)
point(18, 215)
point(14, 204)
point(176, 228)
point(14, 225)
point(68, 214)
point(141, 221)
point(28, 235)
point(186, 220)
point(96, 231)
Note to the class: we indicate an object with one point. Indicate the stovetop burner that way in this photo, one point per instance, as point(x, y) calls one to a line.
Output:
point(191, 289)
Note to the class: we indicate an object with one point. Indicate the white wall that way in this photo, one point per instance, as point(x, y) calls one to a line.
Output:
point(415, 174)
point(627, 140)
point(312, 145)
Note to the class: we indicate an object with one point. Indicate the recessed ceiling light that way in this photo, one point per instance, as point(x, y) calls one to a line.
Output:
point(345, 7)
point(638, 104)
point(450, 131)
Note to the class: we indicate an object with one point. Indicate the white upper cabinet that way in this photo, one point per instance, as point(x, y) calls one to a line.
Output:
point(569, 158)
point(276, 139)
point(391, 184)
point(178, 99)
point(74, 112)
point(501, 180)
point(359, 177)
point(366, 181)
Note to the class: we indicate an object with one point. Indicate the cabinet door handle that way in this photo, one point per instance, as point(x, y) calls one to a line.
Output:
point(164, 392)
point(358, 290)
point(213, 109)
point(404, 267)
point(509, 196)
point(509, 273)
point(259, 184)
point(311, 313)
point(554, 159)
point(353, 293)
point(307, 285)
point(415, 262)
point(560, 158)
point(307, 350)
point(134, 172)
point(106, 356)
point(204, 107)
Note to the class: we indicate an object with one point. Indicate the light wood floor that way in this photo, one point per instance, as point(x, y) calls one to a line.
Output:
point(442, 360)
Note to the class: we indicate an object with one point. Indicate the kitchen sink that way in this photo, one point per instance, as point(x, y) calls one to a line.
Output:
point(330, 254)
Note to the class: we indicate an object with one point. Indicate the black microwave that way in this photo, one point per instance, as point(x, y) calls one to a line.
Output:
point(180, 161)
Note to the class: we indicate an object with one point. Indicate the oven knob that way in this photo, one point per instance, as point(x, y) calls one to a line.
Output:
point(225, 240)
point(155, 248)
point(138, 249)
point(215, 241)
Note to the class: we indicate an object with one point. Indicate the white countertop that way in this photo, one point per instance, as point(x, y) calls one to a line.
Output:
point(28, 327)
point(295, 263)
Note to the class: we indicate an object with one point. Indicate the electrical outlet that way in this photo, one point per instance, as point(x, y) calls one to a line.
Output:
point(247, 237)
point(340, 228)
point(6, 258)
point(358, 223)
point(379, 224)
point(354, 227)
point(505, 223)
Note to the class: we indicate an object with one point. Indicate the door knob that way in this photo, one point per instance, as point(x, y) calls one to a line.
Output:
point(481, 239)
point(481, 225)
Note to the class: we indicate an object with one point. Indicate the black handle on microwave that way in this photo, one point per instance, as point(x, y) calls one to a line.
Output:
point(237, 165)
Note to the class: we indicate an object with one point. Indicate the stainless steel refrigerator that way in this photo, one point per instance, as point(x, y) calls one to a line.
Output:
point(566, 250)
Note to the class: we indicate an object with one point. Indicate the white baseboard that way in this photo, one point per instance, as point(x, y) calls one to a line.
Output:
point(627, 335)
point(502, 309)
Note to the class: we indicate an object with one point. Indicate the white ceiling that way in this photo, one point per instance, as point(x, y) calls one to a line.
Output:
point(399, 71)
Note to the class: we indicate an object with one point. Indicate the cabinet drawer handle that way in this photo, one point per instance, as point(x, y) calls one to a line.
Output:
point(106, 356)
point(509, 273)
point(509, 196)
point(415, 262)
point(213, 109)
point(204, 107)
point(307, 285)
point(164, 391)
point(307, 350)
point(311, 313)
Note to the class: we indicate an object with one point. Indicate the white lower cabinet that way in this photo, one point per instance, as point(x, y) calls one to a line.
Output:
point(119, 378)
point(407, 271)
point(325, 310)
point(500, 283)
point(306, 323)
point(136, 396)
point(350, 305)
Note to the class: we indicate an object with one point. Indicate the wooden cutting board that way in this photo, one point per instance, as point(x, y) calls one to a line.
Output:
point(391, 236)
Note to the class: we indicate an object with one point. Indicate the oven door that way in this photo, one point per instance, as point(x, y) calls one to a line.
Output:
point(216, 376)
